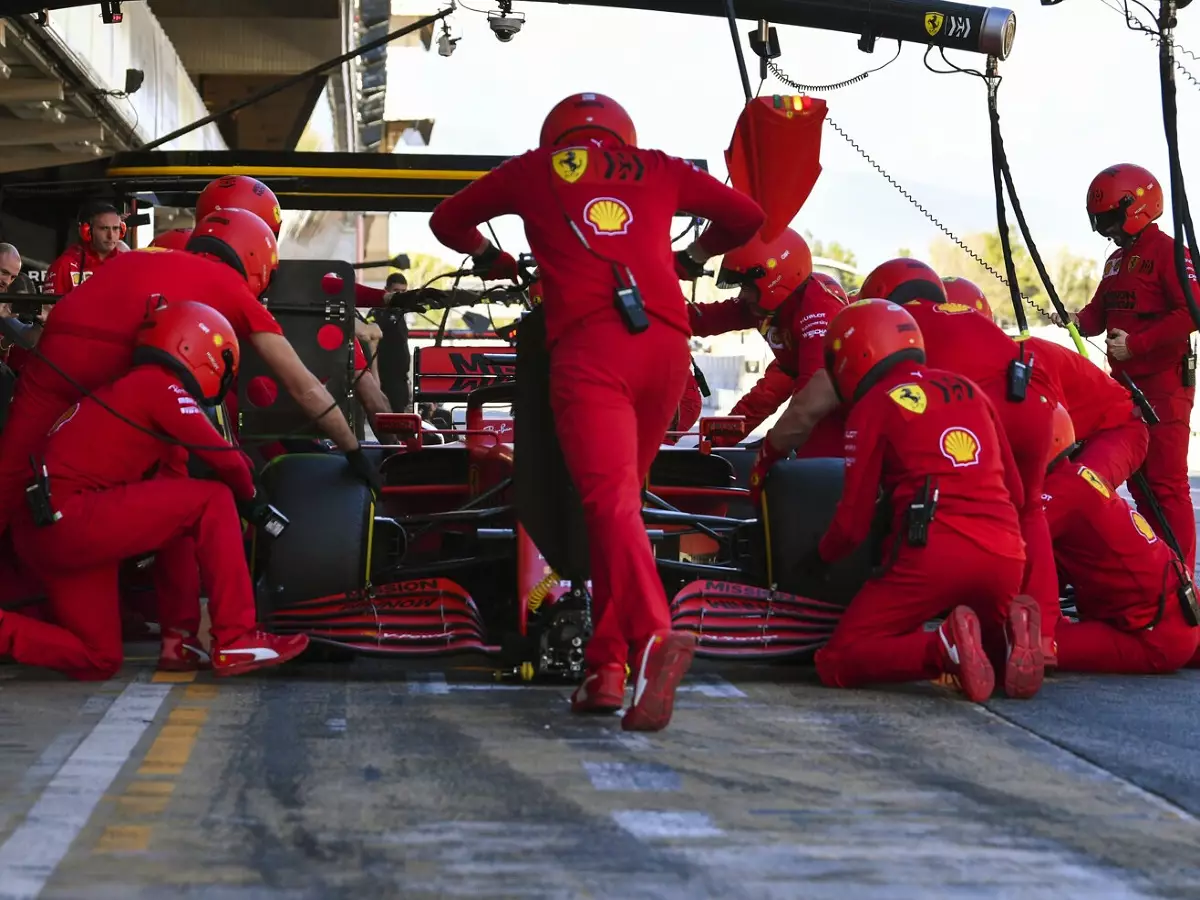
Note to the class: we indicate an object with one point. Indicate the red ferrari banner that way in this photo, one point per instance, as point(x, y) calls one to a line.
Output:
point(775, 156)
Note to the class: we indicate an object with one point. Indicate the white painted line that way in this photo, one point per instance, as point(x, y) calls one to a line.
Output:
point(633, 777)
point(712, 687)
point(650, 825)
point(427, 683)
point(33, 852)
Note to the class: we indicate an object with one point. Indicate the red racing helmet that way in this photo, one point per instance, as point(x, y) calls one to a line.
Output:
point(865, 340)
point(1123, 199)
point(241, 192)
point(583, 117)
point(239, 239)
point(777, 269)
point(194, 341)
point(903, 279)
point(175, 239)
point(967, 293)
point(1062, 436)
point(832, 285)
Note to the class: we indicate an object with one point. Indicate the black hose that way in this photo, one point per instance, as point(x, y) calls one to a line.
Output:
point(1010, 268)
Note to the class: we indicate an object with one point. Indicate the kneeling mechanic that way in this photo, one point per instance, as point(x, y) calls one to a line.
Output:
point(99, 498)
point(933, 441)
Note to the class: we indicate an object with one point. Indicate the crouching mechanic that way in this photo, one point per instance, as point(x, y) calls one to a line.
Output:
point(791, 305)
point(89, 339)
point(1132, 592)
point(95, 505)
point(933, 442)
point(597, 211)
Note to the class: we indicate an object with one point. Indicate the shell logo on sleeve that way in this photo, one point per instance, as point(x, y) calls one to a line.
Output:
point(960, 446)
point(910, 397)
point(1095, 481)
point(1143, 527)
point(608, 216)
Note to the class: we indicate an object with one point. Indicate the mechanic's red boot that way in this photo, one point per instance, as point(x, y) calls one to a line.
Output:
point(962, 655)
point(257, 650)
point(602, 691)
point(1026, 665)
point(660, 667)
point(182, 652)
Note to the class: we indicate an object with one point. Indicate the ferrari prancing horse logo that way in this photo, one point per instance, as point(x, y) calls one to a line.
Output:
point(933, 23)
point(570, 164)
point(910, 397)
point(1095, 481)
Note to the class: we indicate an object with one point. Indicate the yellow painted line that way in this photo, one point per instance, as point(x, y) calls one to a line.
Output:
point(188, 715)
point(150, 789)
point(169, 753)
point(124, 839)
point(173, 677)
point(200, 692)
point(299, 172)
point(145, 806)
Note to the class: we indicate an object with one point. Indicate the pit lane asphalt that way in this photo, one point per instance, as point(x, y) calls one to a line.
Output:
point(376, 779)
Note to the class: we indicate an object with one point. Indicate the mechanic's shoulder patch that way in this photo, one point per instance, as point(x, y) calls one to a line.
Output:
point(1143, 527)
point(911, 397)
point(1095, 481)
point(570, 164)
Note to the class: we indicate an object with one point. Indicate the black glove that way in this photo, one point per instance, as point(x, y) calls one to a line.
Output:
point(362, 469)
point(686, 268)
point(813, 566)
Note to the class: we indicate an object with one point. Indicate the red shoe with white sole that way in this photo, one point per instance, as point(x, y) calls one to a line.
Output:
point(602, 690)
point(182, 652)
point(257, 650)
point(963, 657)
point(660, 667)
point(1025, 667)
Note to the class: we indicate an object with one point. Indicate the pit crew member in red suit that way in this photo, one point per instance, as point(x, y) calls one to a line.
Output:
point(961, 341)
point(967, 293)
point(108, 509)
point(791, 306)
point(597, 211)
point(921, 433)
point(1140, 304)
point(90, 336)
point(1103, 415)
point(240, 192)
point(101, 229)
point(1126, 579)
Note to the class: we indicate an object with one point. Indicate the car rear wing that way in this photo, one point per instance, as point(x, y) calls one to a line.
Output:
point(448, 374)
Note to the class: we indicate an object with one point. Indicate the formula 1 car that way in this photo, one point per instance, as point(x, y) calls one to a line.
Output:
point(477, 542)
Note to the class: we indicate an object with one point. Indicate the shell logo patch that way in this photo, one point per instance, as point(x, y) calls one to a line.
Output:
point(218, 340)
point(1095, 481)
point(952, 309)
point(608, 216)
point(570, 164)
point(772, 263)
point(910, 397)
point(1143, 527)
point(960, 446)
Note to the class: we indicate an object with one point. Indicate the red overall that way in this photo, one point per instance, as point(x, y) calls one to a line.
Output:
point(613, 393)
point(960, 340)
point(1131, 622)
point(1103, 413)
point(1141, 295)
point(76, 265)
point(111, 510)
point(918, 423)
point(90, 336)
point(796, 335)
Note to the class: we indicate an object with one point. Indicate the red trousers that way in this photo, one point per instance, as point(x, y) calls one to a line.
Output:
point(1116, 453)
point(614, 395)
point(78, 559)
point(1166, 466)
point(42, 396)
point(881, 637)
point(1097, 646)
point(1028, 426)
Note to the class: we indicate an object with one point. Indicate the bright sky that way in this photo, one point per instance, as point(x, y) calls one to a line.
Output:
point(1080, 92)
